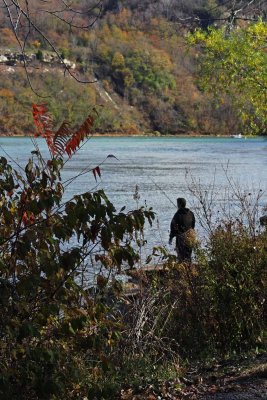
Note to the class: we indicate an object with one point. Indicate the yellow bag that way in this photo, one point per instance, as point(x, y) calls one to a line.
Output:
point(190, 238)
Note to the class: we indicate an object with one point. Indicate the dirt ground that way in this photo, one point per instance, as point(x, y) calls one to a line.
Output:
point(242, 380)
point(249, 383)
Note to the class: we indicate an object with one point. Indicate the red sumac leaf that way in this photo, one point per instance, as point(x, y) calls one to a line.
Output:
point(24, 219)
point(96, 171)
point(63, 140)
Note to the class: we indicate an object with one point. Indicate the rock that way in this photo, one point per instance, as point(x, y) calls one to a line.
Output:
point(3, 59)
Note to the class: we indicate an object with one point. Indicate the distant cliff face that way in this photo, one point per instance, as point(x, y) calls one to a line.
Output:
point(14, 58)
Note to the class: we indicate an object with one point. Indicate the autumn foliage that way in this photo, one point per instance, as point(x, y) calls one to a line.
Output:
point(63, 140)
point(147, 70)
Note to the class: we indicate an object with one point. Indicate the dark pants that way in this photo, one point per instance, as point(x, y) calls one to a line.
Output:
point(184, 251)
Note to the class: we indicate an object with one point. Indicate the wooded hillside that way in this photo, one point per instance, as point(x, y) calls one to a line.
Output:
point(144, 72)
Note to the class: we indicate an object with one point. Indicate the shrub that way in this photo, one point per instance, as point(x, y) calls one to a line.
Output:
point(56, 332)
point(215, 306)
point(236, 282)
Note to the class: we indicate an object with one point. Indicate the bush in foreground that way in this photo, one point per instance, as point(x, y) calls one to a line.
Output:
point(56, 332)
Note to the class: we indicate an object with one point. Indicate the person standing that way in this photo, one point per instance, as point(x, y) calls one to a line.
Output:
point(182, 227)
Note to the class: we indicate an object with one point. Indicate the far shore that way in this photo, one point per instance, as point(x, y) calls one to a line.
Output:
point(146, 134)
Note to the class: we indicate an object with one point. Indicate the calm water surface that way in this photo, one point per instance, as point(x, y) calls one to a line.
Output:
point(161, 167)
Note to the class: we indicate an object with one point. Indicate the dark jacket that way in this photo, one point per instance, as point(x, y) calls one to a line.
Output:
point(182, 221)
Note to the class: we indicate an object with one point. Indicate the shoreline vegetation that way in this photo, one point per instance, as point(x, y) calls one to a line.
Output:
point(150, 134)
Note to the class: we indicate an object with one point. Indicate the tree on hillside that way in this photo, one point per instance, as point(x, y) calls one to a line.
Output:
point(234, 64)
point(192, 13)
point(204, 13)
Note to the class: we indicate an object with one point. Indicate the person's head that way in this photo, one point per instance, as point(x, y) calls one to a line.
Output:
point(181, 202)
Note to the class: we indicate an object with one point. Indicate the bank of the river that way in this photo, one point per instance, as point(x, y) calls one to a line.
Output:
point(145, 134)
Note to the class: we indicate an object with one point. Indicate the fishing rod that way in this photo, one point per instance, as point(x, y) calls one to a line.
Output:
point(161, 190)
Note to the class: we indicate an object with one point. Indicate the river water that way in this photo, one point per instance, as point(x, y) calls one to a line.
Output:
point(161, 167)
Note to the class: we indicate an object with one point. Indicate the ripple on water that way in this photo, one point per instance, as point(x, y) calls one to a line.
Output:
point(161, 167)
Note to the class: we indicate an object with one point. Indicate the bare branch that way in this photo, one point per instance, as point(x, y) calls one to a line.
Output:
point(23, 19)
point(228, 12)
